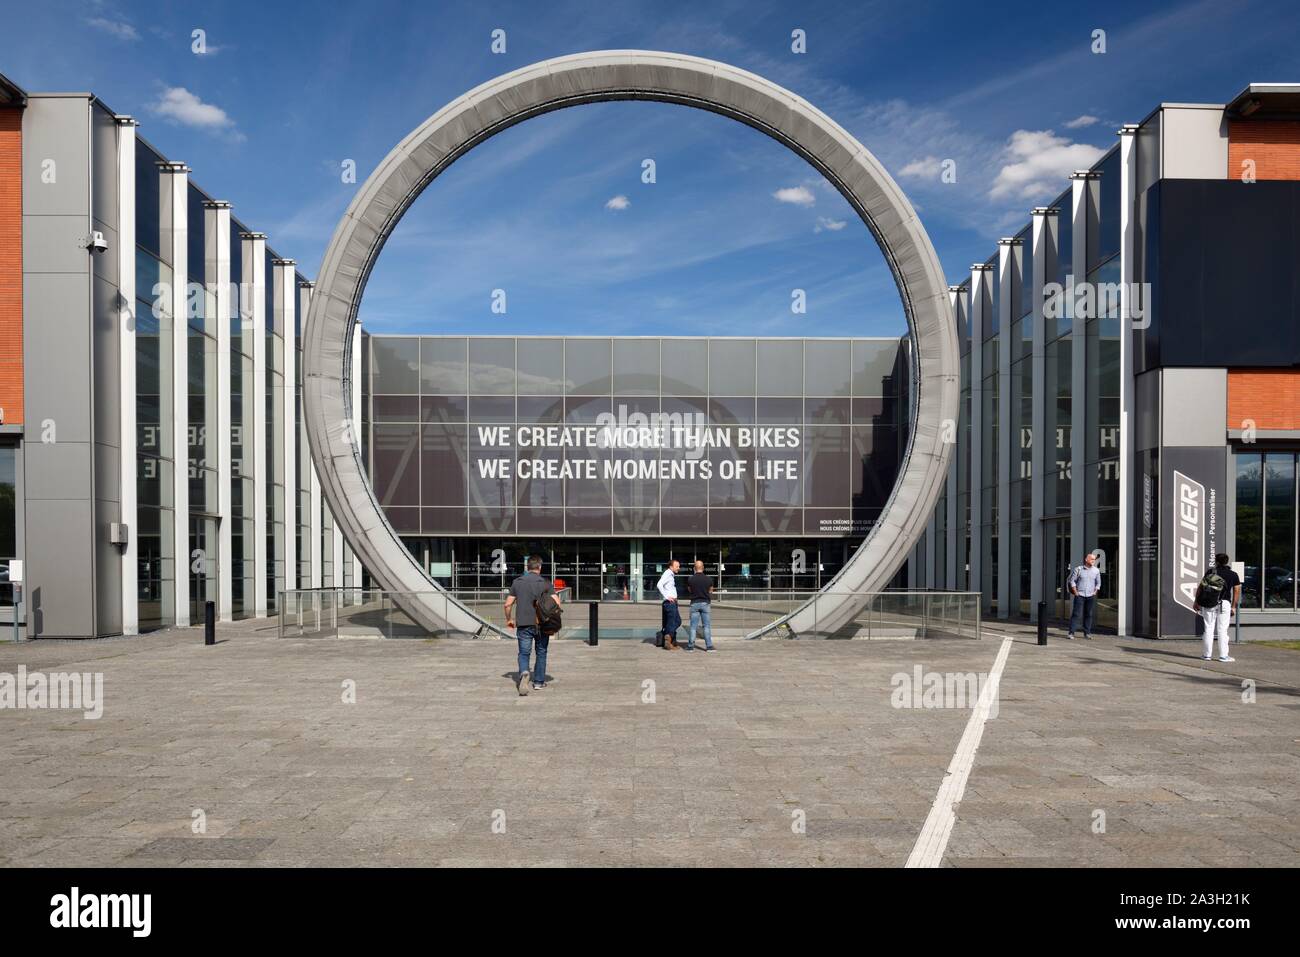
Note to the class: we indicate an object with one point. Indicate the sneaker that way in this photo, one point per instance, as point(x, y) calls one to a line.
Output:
point(1205, 657)
point(1225, 658)
point(539, 686)
point(523, 684)
point(710, 650)
point(1088, 637)
point(1069, 637)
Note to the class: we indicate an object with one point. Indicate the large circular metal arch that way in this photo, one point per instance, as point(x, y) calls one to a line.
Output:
point(592, 78)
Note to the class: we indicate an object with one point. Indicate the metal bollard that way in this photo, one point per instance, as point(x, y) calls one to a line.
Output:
point(1042, 622)
point(210, 623)
point(593, 624)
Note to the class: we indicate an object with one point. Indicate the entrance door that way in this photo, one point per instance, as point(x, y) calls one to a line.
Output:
point(203, 565)
point(1056, 565)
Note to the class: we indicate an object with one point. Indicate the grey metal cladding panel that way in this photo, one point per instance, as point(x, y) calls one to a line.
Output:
point(56, 355)
point(108, 572)
point(1195, 404)
point(50, 244)
point(1194, 143)
point(57, 470)
point(59, 568)
point(55, 132)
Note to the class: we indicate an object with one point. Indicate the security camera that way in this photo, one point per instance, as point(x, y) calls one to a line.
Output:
point(96, 242)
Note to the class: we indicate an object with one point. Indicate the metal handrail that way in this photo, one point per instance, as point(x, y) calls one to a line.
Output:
point(901, 613)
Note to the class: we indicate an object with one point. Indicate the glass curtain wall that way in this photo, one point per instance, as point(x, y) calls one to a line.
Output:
point(1058, 556)
point(201, 332)
point(1021, 384)
point(242, 541)
point(433, 406)
point(1101, 468)
point(155, 328)
point(275, 464)
point(992, 433)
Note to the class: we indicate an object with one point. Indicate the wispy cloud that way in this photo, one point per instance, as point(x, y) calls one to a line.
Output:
point(926, 168)
point(797, 195)
point(1079, 122)
point(114, 28)
point(826, 223)
point(1037, 162)
point(181, 106)
point(618, 203)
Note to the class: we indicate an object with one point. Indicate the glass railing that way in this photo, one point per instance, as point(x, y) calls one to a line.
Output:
point(837, 614)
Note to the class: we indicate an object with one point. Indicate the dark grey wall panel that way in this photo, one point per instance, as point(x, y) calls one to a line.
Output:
point(1221, 258)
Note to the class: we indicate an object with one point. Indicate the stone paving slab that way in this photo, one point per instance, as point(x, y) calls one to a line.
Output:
point(770, 753)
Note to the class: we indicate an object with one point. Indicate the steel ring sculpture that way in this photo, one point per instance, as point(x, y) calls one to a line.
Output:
point(593, 78)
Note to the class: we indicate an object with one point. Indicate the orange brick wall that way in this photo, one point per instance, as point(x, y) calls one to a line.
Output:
point(1269, 397)
point(1274, 145)
point(11, 265)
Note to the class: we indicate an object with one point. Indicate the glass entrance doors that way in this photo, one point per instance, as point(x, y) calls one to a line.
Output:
point(202, 564)
point(1057, 562)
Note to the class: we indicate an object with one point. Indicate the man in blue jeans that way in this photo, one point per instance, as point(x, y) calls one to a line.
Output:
point(672, 618)
point(700, 589)
point(1084, 583)
point(521, 614)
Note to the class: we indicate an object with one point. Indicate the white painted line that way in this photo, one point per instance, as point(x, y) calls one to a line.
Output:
point(933, 839)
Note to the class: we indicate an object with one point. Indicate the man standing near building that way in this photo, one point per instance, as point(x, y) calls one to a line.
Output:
point(521, 614)
point(1084, 583)
point(700, 589)
point(672, 618)
point(1220, 590)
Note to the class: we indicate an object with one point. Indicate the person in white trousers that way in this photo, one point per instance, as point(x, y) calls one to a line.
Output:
point(1216, 618)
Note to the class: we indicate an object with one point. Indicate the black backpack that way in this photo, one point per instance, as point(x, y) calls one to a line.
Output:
point(548, 614)
point(1210, 591)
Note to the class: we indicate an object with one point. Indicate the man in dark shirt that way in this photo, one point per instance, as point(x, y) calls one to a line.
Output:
point(700, 589)
point(525, 590)
point(1216, 619)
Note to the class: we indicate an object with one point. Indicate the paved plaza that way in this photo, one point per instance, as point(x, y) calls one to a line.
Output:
point(772, 752)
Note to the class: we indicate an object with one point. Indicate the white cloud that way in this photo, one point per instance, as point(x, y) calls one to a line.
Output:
point(1037, 162)
point(798, 195)
point(618, 203)
point(927, 168)
point(115, 28)
point(1081, 121)
point(834, 225)
point(180, 105)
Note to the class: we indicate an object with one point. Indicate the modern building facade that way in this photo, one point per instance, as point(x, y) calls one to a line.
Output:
point(153, 454)
point(1146, 324)
point(150, 458)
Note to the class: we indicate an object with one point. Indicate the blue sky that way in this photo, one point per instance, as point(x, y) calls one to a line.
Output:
point(554, 212)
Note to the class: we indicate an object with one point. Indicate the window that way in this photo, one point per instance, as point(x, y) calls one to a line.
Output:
point(1266, 528)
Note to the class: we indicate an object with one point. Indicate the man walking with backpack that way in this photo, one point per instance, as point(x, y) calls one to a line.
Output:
point(1217, 597)
point(1084, 583)
point(529, 593)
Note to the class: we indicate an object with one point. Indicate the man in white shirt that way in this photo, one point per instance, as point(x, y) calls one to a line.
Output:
point(672, 619)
